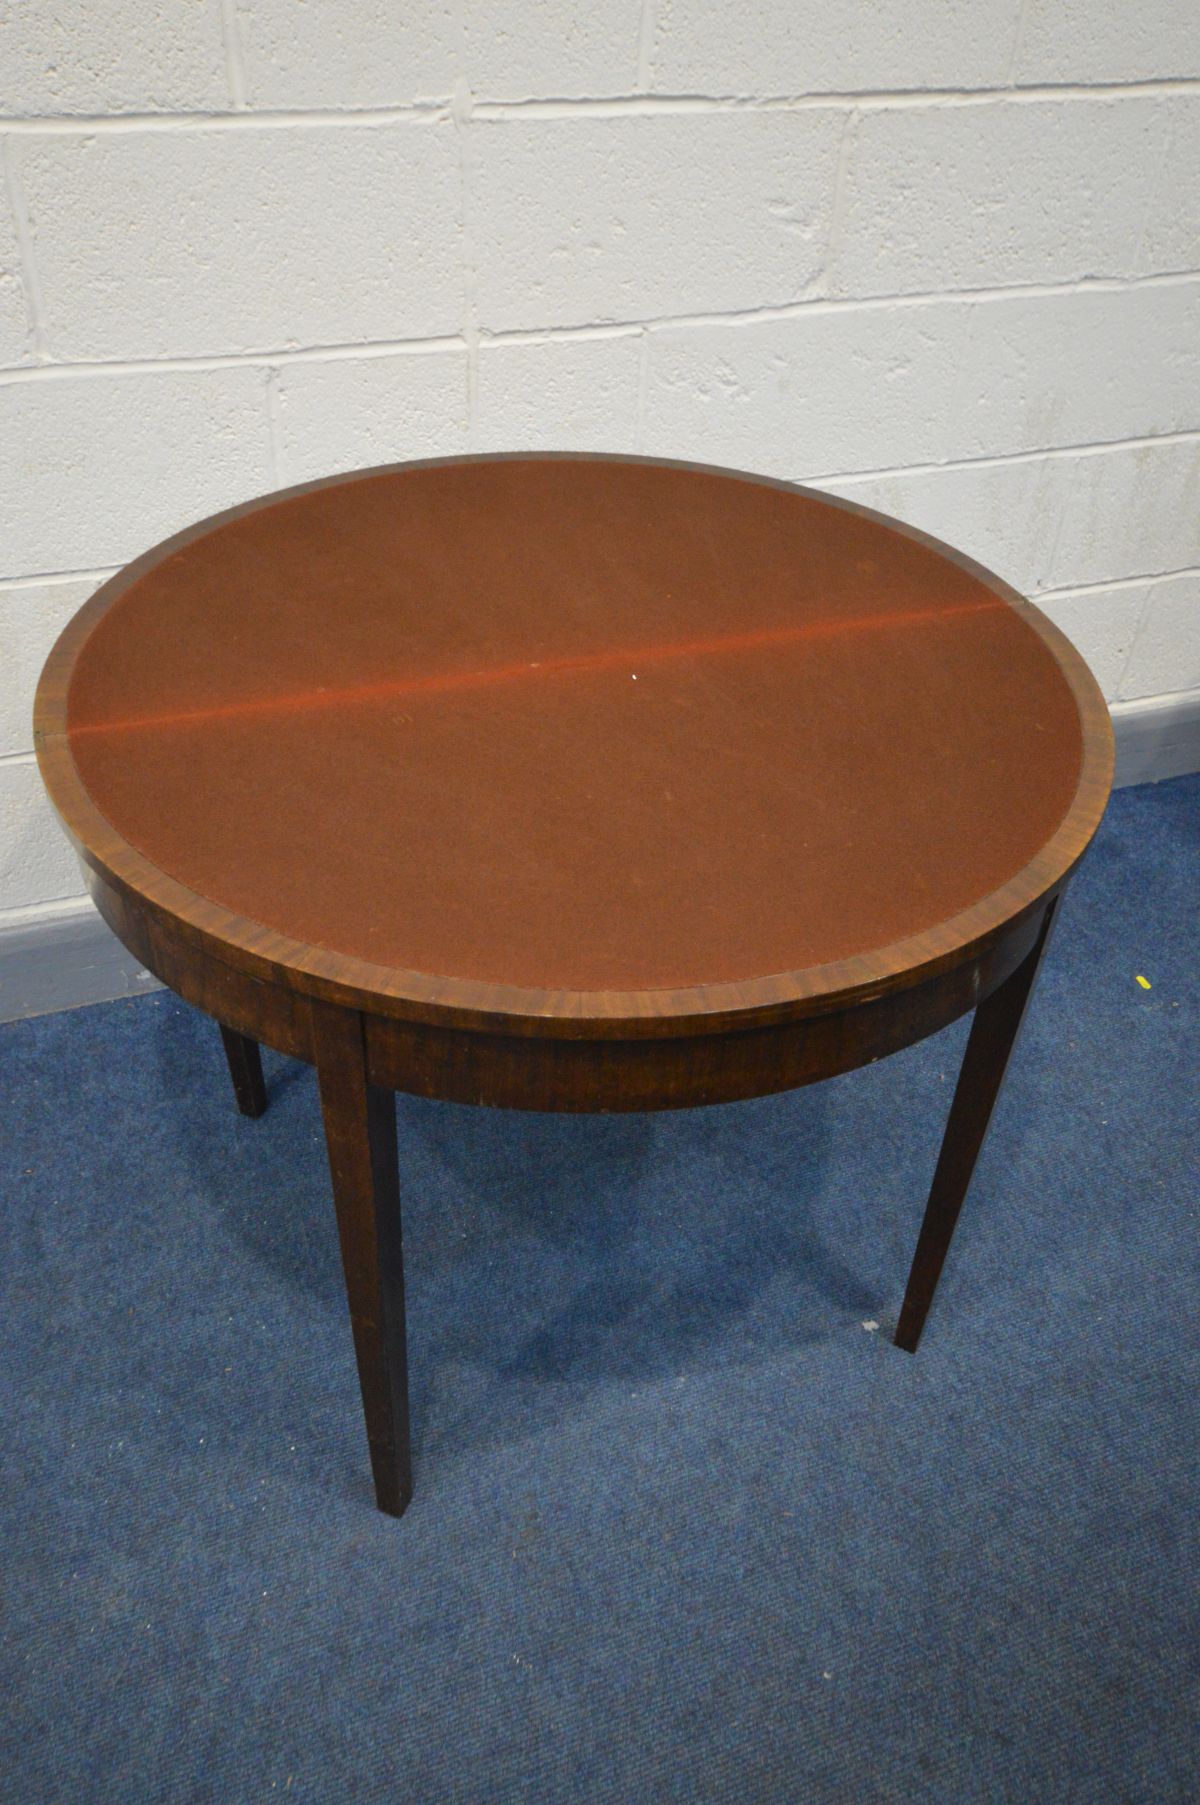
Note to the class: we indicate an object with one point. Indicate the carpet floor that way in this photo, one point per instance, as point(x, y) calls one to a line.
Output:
point(687, 1526)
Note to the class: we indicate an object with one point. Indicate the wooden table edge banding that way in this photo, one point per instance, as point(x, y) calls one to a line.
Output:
point(371, 1031)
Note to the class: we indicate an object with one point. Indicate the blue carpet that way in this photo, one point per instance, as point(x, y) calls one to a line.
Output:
point(687, 1527)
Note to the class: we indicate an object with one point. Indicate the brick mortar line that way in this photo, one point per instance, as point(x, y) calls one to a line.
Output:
point(30, 280)
point(838, 201)
point(235, 62)
point(438, 108)
point(1151, 576)
point(59, 576)
point(1055, 540)
point(90, 125)
point(1088, 448)
point(643, 390)
point(274, 423)
point(1164, 157)
point(847, 99)
point(1018, 42)
point(823, 304)
point(275, 357)
point(278, 356)
point(1135, 637)
point(647, 25)
point(461, 114)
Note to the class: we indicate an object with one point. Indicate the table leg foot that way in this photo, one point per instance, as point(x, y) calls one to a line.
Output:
point(360, 1135)
point(245, 1068)
point(993, 1036)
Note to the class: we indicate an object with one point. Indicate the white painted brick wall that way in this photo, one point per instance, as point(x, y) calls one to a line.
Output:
point(943, 259)
point(832, 389)
point(545, 48)
point(779, 47)
point(36, 862)
point(1103, 41)
point(345, 54)
point(1003, 192)
point(195, 243)
point(575, 394)
point(1061, 520)
point(32, 615)
point(579, 220)
point(95, 467)
point(347, 413)
point(1166, 653)
point(351, 53)
point(15, 347)
point(111, 56)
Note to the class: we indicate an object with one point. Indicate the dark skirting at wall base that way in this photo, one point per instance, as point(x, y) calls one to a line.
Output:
point(61, 959)
point(1157, 738)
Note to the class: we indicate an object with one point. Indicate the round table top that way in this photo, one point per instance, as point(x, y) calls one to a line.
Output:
point(571, 734)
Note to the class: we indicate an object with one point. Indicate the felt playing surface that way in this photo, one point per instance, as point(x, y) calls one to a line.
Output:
point(575, 724)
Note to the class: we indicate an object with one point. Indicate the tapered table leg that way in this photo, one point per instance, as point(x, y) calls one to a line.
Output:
point(245, 1068)
point(360, 1134)
point(992, 1038)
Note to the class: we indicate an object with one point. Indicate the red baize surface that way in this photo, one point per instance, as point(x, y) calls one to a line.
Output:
point(574, 724)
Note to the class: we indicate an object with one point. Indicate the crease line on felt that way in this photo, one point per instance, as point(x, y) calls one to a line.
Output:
point(442, 682)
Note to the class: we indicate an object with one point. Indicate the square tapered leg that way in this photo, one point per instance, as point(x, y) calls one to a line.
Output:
point(993, 1036)
point(245, 1068)
point(360, 1135)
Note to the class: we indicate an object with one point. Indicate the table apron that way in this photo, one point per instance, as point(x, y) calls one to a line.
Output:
point(270, 1013)
point(464, 1065)
point(682, 1071)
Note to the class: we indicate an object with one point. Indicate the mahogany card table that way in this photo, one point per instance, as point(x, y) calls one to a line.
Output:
point(572, 783)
